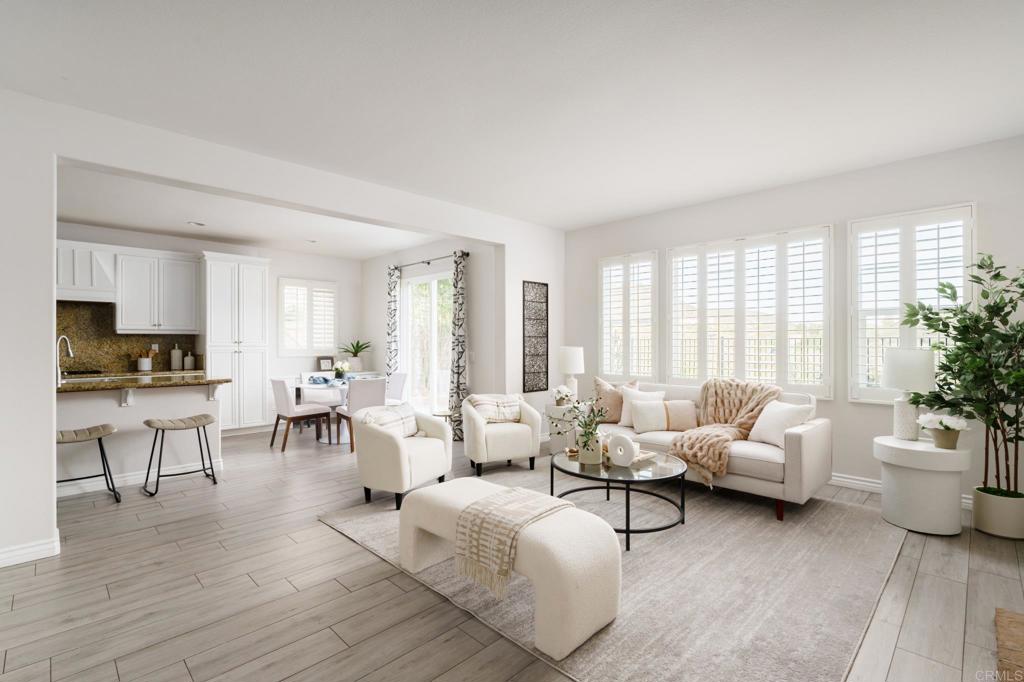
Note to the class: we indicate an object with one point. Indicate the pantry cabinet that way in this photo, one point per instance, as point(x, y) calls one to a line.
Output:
point(236, 339)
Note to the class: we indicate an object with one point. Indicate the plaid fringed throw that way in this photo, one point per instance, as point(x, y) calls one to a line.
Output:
point(487, 532)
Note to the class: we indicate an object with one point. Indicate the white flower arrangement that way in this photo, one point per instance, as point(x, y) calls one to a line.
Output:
point(342, 366)
point(942, 421)
point(562, 393)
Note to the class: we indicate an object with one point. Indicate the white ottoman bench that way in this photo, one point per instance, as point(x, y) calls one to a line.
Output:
point(572, 557)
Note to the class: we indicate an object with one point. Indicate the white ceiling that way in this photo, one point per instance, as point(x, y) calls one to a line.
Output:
point(563, 113)
point(97, 198)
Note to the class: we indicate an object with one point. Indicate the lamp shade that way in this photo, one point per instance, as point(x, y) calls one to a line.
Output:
point(570, 359)
point(909, 369)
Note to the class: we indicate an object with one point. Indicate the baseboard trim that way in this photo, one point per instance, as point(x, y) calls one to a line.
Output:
point(30, 551)
point(873, 485)
point(120, 480)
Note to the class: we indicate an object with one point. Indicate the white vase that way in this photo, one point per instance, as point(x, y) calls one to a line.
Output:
point(998, 515)
point(355, 364)
point(592, 453)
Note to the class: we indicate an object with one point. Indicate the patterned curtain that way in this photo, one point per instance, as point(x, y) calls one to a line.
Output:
point(391, 345)
point(458, 387)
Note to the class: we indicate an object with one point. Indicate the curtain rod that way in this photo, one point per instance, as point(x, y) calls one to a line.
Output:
point(428, 261)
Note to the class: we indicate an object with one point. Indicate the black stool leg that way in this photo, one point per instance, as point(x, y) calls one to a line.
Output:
point(108, 475)
point(159, 464)
point(209, 455)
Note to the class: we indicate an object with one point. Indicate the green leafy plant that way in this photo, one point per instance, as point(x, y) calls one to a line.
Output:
point(354, 348)
point(583, 417)
point(980, 370)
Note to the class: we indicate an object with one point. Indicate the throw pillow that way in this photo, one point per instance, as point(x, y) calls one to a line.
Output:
point(631, 395)
point(496, 408)
point(400, 419)
point(671, 415)
point(609, 397)
point(775, 418)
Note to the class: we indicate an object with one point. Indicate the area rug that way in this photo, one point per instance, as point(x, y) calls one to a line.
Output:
point(731, 595)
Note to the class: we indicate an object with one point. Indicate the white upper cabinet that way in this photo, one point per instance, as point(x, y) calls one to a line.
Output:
point(157, 293)
point(86, 272)
point(178, 289)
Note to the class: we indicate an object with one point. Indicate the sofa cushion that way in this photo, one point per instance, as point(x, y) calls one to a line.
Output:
point(757, 460)
point(509, 440)
point(609, 430)
point(427, 459)
point(775, 418)
point(609, 396)
point(630, 396)
point(659, 441)
point(670, 415)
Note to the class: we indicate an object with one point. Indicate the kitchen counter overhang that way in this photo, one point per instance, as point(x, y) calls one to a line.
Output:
point(124, 382)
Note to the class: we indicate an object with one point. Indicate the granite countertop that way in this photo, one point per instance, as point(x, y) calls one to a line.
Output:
point(123, 380)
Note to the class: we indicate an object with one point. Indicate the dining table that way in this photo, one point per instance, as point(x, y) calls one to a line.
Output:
point(322, 393)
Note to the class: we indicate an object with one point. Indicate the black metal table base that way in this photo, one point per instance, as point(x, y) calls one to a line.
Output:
point(629, 530)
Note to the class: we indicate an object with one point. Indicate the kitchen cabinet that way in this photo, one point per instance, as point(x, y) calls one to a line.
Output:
point(237, 333)
point(86, 272)
point(157, 293)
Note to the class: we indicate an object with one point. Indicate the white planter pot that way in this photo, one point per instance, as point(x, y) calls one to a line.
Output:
point(1002, 516)
point(355, 364)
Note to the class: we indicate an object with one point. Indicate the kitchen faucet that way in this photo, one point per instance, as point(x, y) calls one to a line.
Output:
point(71, 354)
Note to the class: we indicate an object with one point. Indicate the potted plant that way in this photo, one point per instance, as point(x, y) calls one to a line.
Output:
point(584, 418)
point(563, 396)
point(980, 375)
point(354, 349)
point(341, 368)
point(945, 429)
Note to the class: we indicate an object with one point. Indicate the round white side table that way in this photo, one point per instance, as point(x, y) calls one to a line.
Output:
point(921, 484)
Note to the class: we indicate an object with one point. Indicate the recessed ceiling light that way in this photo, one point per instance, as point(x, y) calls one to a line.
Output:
point(311, 241)
point(196, 223)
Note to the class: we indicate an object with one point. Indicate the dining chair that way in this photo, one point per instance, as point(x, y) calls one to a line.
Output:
point(284, 401)
point(361, 393)
point(396, 388)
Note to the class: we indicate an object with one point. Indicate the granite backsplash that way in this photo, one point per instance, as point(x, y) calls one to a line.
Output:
point(90, 326)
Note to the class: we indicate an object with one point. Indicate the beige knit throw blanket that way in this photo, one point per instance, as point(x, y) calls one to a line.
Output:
point(728, 410)
point(487, 533)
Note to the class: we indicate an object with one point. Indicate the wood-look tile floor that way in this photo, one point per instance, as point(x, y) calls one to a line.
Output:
point(240, 581)
point(237, 581)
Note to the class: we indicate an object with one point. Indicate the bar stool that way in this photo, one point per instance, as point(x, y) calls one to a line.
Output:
point(95, 433)
point(160, 428)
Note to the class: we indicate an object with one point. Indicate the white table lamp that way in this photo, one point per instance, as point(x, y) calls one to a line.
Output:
point(910, 371)
point(570, 361)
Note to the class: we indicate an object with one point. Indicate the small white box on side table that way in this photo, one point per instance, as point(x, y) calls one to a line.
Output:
point(921, 484)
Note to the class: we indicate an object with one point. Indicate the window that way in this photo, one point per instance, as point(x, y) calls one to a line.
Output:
point(629, 307)
point(752, 308)
point(427, 339)
point(305, 317)
point(895, 260)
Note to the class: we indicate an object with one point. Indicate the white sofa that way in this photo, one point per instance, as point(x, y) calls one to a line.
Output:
point(389, 462)
point(502, 441)
point(792, 474)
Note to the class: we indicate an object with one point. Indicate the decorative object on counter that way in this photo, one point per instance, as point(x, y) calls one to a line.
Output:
point(570, 361)
point(144, 364)
point(354, 349)
point(535, 337)
point(945, 429)
point(324, 363)
point(563, 395)
point(622, 450)
point(342, 367)
point(910, 370)
point(979, 377)
point(189, 361)
point(176, 358)
point(583, 417)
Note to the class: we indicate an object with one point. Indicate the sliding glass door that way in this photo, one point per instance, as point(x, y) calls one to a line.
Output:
point(426, 340)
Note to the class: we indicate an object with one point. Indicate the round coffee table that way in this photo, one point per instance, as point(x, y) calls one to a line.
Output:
point(661, 467)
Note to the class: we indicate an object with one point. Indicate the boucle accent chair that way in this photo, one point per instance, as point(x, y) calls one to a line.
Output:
point(494, 442)
point(790, 474)
point(390, 461)
point(572, 557)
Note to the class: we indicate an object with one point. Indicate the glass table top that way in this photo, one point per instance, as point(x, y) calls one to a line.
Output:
point(660, 467)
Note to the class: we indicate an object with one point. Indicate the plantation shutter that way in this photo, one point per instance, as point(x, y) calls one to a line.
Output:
point(642, 337)
point(322, 318)
point(612, 322)
point(805, 311)
point(720, 313)
point(759, 324)
point(293, 317)
point(685, 316)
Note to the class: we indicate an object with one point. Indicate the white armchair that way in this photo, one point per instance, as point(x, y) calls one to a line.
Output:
point(503, 440)
point(388, 461)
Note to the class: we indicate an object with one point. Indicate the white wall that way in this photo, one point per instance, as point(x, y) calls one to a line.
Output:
point(991, 175)
point(35, 133)
point(344, 272)
point(483, 301)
